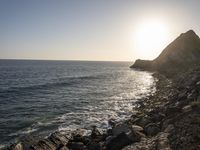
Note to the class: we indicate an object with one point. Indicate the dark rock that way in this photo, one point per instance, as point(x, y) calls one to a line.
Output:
point(86, 140)
point(76, 146)
point(120, 128)
point(95, 132)
point(152, 129)
point(162, 142)
point(45, 144)
point(198, 83)
point(95, 146)
point(187, 108)
point(108, 139)
point(17, 146)
point(111, 122)
point(137, 128)
point(58, 138)
point(79, 132)
point(142, 64)
point(143, 121)
point(118, 142)
point(173, 110)
point(193, 95)
point(135, 135)
point(169, 128)
point(63, 148)
point(53, 142)
point(109, 132)
point(157, 117)
point(198, 98)
point(182, 95)
point(78, 136)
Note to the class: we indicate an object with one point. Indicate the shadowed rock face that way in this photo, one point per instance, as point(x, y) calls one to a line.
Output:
point(182, 53)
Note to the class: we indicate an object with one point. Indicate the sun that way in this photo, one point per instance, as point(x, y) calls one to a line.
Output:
point(150, 38)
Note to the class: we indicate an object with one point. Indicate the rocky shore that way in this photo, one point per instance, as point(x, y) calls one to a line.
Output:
point(169, 119)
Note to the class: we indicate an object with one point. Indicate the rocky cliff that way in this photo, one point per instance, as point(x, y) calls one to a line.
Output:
point(182, 53)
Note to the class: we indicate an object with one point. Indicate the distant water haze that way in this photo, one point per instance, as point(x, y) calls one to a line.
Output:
point(39, 97)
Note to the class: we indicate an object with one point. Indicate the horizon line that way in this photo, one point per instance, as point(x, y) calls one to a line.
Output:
point(27, 59)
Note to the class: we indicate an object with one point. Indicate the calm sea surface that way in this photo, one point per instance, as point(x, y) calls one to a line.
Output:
point(39, 97)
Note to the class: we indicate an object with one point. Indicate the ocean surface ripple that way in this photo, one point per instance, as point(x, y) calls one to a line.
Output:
point(39, 97)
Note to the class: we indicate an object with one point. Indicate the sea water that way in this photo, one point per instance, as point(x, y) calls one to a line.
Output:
point(40, 97)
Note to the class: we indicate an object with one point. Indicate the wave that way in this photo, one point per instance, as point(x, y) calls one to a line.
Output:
point(61, 82)
point(24, 132)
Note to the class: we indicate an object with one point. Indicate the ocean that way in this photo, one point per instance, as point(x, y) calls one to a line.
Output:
point(40, 97)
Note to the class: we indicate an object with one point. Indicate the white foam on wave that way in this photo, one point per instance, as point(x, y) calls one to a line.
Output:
point(39, 123)
point(117, 107)
point(23, 132)
point(2, 146)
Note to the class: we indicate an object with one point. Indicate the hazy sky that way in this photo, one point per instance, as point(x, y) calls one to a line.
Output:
point(88, 29)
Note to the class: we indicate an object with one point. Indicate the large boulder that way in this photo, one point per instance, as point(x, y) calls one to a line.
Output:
point(120, 128)
point(53, 142)
point(118, 142)
point(123, 135)
point(152, 129)
point(58, 139)
point(45, 144)
point(76, 146)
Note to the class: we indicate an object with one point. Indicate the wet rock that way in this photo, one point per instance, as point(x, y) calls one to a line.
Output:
point(86, 140)
point(78, 136)
point(120, 128)
point(80, 132)
point(193, 94)
point(187, 108)
point(169, 128)
point(135, 136)
point(152, 129)
point(53, 142)
point(17, 146)
point(162, 142)
point(144, 144)
point(196, 106)
point(143, 121)
point(95, 146)
point(182, 95)
point(198, 83)
point(108, 139)
point(198, 98)
point(109, 132)
point(112, 122)
point(76, 146)
point(63, 148)
point(58, 138)
point(173, 110)
point(45, 144)
point(137, 128)
point(157, 117)
point(118, 142)
point(95, 132)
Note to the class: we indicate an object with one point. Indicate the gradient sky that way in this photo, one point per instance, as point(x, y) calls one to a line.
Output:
point(86, 29)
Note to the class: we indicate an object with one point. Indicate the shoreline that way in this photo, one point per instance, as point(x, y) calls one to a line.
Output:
point(31, 141)
point(153, 125)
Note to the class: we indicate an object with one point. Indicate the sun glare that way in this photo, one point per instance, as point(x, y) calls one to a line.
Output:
point(150, 39)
